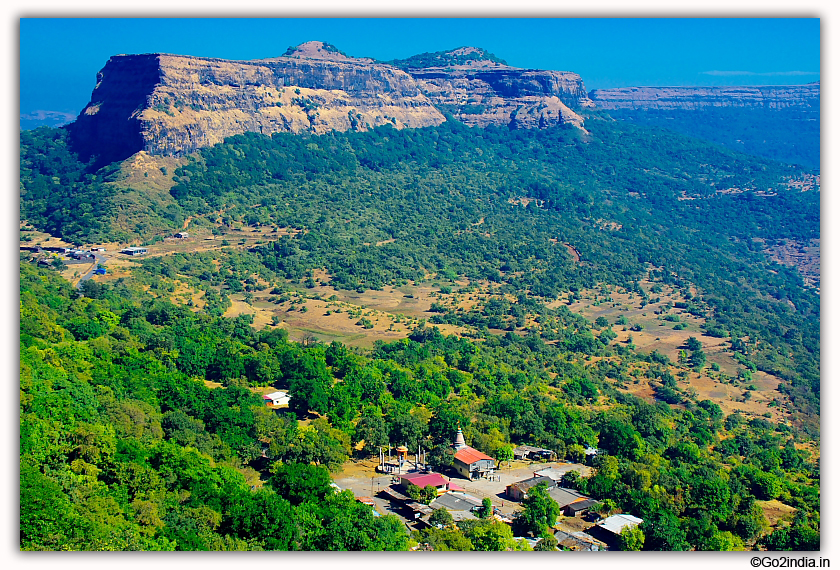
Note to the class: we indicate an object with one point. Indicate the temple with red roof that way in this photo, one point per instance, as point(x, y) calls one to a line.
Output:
point(469, 462)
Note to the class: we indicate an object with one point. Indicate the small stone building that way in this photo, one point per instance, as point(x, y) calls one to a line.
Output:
point(609, 529)
point(135, 251)
point(422, 480)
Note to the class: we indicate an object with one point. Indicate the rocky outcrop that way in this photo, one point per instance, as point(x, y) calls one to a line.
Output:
point(174, 105)
point(806, 97)
point(484, 92)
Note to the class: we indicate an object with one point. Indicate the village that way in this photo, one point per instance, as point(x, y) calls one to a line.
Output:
point(92, 260)
point(390, 485)
point(476, 479)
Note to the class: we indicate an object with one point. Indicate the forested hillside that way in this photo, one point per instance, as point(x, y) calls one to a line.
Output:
point(140, 423)
point(124, 446)
point(759, 132)
point(445, 200)
point(633, 202)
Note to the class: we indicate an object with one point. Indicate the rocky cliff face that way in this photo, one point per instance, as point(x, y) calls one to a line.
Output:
point(699, 98)
point(482, 92)
point(173, 105)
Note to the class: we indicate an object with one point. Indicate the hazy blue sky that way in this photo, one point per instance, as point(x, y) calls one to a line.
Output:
point(59, 58)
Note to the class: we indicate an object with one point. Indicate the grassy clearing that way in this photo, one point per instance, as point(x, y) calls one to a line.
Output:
point(776, 511)
point(658, 333)
point(354, 319)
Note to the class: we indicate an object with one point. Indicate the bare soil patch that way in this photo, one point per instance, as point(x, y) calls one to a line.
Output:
point(776, 511)
point(329, 314)
point(358, 468)
point(805, 257)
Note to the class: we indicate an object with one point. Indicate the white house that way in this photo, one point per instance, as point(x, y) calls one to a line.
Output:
point(135, 251)
point(279, 398)
point(616, 523)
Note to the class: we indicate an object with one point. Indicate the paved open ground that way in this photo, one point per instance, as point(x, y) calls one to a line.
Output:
point(495, 488)
point(368, 484)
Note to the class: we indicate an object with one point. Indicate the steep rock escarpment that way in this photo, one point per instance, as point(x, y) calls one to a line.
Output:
point(484, 91)
point(699, 98)
point(173, 105)
point(110, 125)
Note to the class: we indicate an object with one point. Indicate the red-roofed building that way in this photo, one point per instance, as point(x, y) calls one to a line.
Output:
point(436, 480)
point(469, 462)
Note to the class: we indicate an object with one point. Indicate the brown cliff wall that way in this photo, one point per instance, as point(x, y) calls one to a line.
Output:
point(501, 95)
point(174, 105)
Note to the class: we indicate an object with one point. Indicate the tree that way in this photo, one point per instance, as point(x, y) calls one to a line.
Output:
point(405, 429)
point(445, 421)
point(339, 522)
point(445, 539)
point(663, 531)
point(540, 511)
point(300, 483)
point(712, 496)
point(318, 443)
point(570, 479)
point(309, 383)
point(697, 359)
point(47, 517)
point(504, 453)
point(798, 536)
point(693, 344)
point(620, 439)
point(441, 517)
point(631, 538)
point(548, 543)
point(605, 508)
point(441, 457)
point(429, 494)
point(722, 542)
point(372, 430)
point(607, 335)
point(261, 515)
point(92, 289)
point(486, 510)
point(575, 453)
point(491, 535)
point(414, 491)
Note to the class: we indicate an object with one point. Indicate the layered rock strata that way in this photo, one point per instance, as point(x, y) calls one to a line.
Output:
point(502, 95)
point(174, 105)
point(698, 98)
